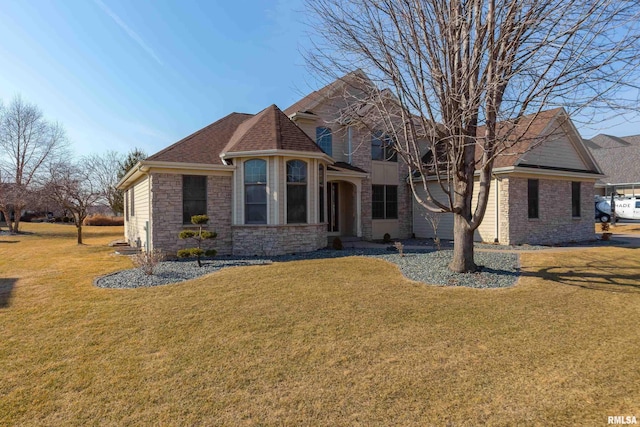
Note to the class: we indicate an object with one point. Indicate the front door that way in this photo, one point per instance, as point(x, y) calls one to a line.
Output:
point(334, 207)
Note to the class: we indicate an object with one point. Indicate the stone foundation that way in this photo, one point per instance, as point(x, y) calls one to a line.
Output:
point(269, 240)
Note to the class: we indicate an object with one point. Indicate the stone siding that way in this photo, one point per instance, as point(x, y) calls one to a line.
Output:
point(555, 223)
point(166, 195)
point(405, 201)
point(361, 157)
point(269, 240)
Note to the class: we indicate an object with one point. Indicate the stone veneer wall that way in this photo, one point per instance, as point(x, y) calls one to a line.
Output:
point(405, 201)
point(269, 240)
point(361, 157)
point(166, 216)
point(555, 223)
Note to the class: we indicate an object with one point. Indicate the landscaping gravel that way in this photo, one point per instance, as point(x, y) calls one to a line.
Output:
point(499, 269)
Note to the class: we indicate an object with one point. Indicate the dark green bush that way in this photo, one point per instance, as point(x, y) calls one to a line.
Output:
point(199, 236)
point(386, 238)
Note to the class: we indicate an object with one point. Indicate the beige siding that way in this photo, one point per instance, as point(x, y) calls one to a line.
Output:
point(382, 226)
point(423, 229)
point(486, 232)
point(308, 127)
point(384, 173)
point(136, 231)
point(557, 152)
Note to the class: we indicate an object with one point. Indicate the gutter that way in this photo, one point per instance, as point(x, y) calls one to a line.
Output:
point(144, 166)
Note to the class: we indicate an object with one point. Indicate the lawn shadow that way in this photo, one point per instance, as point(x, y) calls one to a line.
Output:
point(611, 279)
point(9, 241)
point(6, 288)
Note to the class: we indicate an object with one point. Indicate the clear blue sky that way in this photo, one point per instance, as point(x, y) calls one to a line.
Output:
point(123, 74)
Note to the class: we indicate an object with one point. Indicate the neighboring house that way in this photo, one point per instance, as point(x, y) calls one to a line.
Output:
point(542, 189)
point(619, 158)
point(280, 182)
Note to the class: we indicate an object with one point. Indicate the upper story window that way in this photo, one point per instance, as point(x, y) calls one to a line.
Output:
point(194, 196)
point(255, 191)
point(382, 147)
point(575, 199)
point(533, 198)
point(324, 140)
point(296, 192)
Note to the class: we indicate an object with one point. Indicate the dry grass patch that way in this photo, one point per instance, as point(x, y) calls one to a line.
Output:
point(625, 228)
point(325, 342)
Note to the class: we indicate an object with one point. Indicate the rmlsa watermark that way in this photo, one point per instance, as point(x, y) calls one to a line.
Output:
point(622, 420)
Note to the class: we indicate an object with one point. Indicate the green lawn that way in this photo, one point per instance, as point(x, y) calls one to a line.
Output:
point(325, 342)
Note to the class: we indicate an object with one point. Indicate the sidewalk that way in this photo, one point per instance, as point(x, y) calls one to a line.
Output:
point(617, 240)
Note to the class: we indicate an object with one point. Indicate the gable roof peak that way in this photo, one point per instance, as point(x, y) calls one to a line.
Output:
point(268, 130)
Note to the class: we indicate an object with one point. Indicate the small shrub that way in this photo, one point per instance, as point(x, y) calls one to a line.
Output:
point(147, 261)
point(337, 244)
point(386, 238)
point(103, 220)
point(199, 236)
point(65, 219)
point(400, 247)
point(436, 240)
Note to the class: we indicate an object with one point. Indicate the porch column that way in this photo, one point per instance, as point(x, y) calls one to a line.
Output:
point(358, 184)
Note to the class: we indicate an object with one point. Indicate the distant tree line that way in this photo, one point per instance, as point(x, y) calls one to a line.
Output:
point(39, 173)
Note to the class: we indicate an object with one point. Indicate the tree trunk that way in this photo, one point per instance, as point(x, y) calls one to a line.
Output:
point(462, 261)
point(79, 229)
point(16, 224)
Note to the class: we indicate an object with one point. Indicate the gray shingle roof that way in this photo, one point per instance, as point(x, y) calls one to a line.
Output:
point(619, 157)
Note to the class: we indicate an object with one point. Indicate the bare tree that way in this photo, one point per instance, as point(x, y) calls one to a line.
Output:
point(73, 186)
point(461, 75)
point(27, 143)
point(106, 171)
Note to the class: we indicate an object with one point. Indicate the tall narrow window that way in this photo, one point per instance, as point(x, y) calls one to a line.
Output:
point(382, 147)
point(321, 192)
point(324, 140)
point(194, 196)
point(132, 202)
point(126, 204)
point(575, 199)
point(532, 198)
point(296, 192)
point(384, 201)
point(255, 191)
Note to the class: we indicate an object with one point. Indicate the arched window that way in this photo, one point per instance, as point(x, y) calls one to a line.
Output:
point(296, 192)
point(324, 139)
point(255, 191)
point(321, 192)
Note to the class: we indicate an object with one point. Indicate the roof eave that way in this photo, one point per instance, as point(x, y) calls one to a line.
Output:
point(145, 166)
point(278, 152)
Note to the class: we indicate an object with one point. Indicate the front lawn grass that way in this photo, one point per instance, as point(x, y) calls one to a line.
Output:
point(344, 341)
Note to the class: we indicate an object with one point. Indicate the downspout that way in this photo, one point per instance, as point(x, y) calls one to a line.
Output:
point(148, 222)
